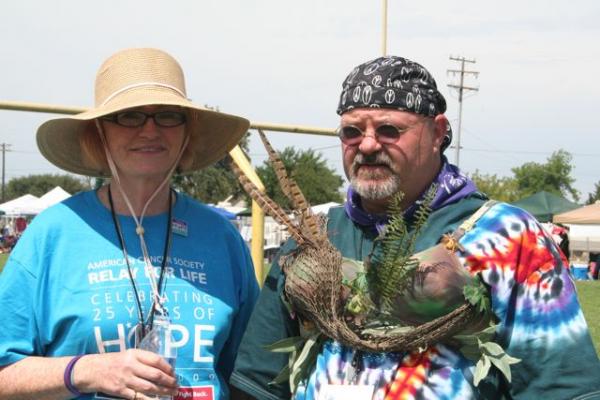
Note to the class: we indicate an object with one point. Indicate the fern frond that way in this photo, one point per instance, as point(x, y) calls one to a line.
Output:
point(392, 269)
point(422, 214)
point(396, 229)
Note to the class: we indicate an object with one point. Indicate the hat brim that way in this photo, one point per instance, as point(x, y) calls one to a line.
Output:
point(215, 134)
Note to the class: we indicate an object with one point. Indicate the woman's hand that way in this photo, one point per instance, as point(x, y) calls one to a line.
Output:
point(125, 374)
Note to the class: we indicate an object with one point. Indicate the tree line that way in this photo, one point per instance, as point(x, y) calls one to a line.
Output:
point(552, 176)
point(321, 184)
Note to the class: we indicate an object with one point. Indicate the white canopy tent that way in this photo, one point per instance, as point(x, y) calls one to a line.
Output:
point(584, 227)
point(24, 205)
point(54, 196)
point(584, 237)
point(29, 204)
point(585, 215)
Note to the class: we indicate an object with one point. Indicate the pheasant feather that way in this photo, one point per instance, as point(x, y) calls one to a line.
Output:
point(269, 206)
point(291, 190)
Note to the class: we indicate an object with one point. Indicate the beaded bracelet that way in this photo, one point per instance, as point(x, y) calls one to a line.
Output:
point(68, 376)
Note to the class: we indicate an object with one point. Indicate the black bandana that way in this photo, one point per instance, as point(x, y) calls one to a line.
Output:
point(392, 82)
point(396, 83)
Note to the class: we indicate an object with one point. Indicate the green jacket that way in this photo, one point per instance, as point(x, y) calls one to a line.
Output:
point(256, 367)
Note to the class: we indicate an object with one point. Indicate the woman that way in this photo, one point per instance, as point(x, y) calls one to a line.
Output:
point(94, 275)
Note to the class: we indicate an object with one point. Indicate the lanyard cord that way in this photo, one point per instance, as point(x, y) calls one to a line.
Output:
point(162, 267)
point(148, 267)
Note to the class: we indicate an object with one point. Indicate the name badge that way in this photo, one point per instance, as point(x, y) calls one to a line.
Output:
point(345, 392)
point(179, 227)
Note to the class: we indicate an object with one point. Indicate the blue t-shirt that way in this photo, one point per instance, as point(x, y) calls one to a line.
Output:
point(66, 290)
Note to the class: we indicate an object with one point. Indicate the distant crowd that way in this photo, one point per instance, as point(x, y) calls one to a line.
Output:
point(593, 270)
point(10, 233)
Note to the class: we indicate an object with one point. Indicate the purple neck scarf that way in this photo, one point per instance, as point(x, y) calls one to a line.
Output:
point(452, 186)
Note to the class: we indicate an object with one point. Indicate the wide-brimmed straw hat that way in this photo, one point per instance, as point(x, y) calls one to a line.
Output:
point(135, 78)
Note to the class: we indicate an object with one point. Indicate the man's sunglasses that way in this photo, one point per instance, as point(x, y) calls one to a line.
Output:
point(386, 134)
point(135, 119)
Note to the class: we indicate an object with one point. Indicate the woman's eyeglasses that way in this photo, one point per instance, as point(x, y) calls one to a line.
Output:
point(351, 135)
point(135, 119)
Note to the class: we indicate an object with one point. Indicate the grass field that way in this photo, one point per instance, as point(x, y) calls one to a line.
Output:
point(3, 258)
point(589, 297)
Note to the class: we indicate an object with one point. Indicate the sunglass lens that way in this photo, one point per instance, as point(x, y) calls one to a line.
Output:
point(169, 118)
point(131, 119)
point(387, 133)
point(350, 134)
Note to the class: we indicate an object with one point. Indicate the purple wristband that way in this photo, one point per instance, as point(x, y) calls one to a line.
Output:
point(68, 376)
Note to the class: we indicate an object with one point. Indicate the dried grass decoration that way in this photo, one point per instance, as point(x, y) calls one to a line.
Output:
point(396, 301)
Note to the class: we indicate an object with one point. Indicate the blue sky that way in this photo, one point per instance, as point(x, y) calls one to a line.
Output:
point(284, 61)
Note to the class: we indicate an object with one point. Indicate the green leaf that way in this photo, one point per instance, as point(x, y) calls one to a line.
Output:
point(477, 295)
point(286, 345)
point(310, 343)
point(487, 334)
point(467, 340)
point(303, 364)
point(490, 329)
point(282, 377)
point(482, 368)
point(492, 349)
point(471, 353)
point(510, 360)
point(359, 304)
point(351, 270)
point(498, 357)
point(503, 367)
point(469, 346)
point(485, 306)
point(472, 294)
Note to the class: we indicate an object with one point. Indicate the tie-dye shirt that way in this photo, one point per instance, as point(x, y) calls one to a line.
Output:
point(533, 297)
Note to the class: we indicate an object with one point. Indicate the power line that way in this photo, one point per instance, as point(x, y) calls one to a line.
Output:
point(491, 148)
point(25, 152)
point(461, 88)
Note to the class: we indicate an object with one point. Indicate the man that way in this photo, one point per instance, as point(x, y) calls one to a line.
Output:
point(393, 134)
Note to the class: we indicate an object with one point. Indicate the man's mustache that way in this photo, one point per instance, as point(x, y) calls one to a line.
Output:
point(371, 159)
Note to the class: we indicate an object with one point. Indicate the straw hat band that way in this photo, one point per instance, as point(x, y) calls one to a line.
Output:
point(136, 85)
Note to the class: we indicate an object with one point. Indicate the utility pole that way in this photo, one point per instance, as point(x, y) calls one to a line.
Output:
point(5, 148)
point(461, 88)
point(384, 29)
